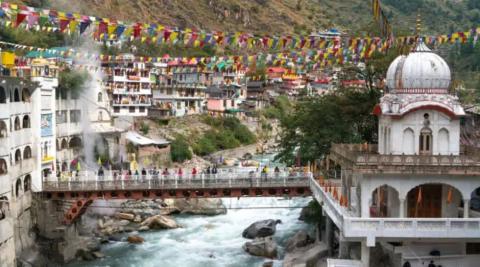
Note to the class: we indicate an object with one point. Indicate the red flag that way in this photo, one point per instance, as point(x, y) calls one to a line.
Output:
point(137, 29)
point(419, 196)
point(449, 195)
point(63, 24)
point(20, 18)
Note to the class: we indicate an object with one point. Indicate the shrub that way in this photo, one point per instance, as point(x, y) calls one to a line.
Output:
point(179, 149)
point(204, 146)
point(144, 128)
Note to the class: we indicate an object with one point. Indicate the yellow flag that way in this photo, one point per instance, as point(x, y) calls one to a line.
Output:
point(73, 26)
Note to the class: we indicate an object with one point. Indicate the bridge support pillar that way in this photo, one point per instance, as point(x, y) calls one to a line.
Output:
point(365, 254)
point(343, 249)
point(329, 235)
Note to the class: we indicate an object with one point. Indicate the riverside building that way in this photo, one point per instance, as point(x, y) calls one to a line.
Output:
point(413, 197)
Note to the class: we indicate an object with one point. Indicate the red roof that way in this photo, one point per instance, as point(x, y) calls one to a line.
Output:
point(276, 70)
point(353, 82)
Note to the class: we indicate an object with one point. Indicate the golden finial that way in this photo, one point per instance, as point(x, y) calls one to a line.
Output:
point(418, 27)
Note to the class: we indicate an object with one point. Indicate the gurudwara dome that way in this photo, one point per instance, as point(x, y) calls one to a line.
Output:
point(420, 72)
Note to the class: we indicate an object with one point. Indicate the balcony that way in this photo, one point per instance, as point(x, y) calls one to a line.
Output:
point(366, 160)
point(21, 137)
point(23, 167)
point(6, 229)
point(392, 228)
point(4, 146)
point(124, 91)
point(131, 78)
point(132, 104)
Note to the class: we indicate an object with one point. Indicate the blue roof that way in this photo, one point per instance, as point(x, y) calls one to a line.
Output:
point(53, 52)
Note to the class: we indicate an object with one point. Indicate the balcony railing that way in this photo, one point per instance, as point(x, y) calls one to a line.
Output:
point(366, 158)
point(372, 228)
point(186, 181)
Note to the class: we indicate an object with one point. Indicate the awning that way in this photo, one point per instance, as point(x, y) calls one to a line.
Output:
point(141, 140)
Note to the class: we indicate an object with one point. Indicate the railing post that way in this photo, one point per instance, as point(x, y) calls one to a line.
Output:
point(176, 181)
point(203, 180)
point(284, 181)
point(230, 181)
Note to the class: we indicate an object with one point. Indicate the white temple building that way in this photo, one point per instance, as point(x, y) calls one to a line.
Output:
point(408, 199)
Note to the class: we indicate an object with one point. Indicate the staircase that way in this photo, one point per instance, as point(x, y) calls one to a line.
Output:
point(73, 209)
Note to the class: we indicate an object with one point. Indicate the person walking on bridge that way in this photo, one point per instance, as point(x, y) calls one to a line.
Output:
point(194, 173)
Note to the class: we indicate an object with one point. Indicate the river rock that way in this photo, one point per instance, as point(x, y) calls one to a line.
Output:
point(123, 223)
point(85, 255)
point(125, 216)
point(267, 264)
point(143, 228)
point(300, 239)
point(200, 206)
point(262, 247)
point(309, 255)
point(98, 254)
point(261, 229)
point(160, 222)
point(135, 239)
point(138, 219)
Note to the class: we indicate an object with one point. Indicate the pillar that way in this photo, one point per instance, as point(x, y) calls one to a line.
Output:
point(466, 207)
point(402, 208)
point(365, 254)
point(329, 235)
point(343, 249)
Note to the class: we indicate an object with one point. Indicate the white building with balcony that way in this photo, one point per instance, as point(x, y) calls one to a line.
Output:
point(129, 83)
point(410, 196)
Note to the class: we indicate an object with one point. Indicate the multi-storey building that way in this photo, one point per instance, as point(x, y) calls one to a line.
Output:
point(411, 197)
point(225, 100)
point(129, 83)
point(27, 146)
point(181, 89)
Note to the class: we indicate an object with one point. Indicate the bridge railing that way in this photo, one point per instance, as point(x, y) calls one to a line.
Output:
point(198, 181)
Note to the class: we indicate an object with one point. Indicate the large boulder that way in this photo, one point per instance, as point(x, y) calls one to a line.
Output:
point(160, 222)
point(200, 206)
point(125, 216)
point(309, 255)
point(135, 239)
point(261, 229)
point(262, 247)
point(299, 240)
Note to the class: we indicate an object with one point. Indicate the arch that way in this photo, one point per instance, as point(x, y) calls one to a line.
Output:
point(3, 129)
point(64, 144)
point(27, 152)
point(408, 141)
point(26, 122)
point(433, 200)
point(25, 95)
point(16, 124)
point(385, 202)
point(3, 95)
point(75, 142)
point(18, 156)
point(18, 187)
point(443, 141)
point(100, 97)
point(3, 167)
point(425, 141)
point(3, 207)
point(16, 95)
point(27, 183)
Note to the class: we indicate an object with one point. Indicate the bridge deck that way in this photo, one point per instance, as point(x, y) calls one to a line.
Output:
point(202, 185)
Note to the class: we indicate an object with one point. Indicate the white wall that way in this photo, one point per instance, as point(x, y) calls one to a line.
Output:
point(392, 138)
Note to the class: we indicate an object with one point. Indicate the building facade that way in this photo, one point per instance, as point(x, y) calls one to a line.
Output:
point(409, 196)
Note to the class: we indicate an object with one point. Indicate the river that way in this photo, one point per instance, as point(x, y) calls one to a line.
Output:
point(208, 241)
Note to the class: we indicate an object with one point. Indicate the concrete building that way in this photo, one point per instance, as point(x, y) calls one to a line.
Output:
point(129, 83)
point(181, 89)
point(408, 198)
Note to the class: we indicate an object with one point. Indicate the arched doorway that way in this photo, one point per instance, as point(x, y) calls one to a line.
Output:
point(3, 96)
point(27, 152)
point(425, 144)
point(27, 183)
point(26, 122)
point(3, 207)
point(64, 144)
point(25, 95)
point(433, 201)
point(75, 142)
point(3, 167)
point(17, 125)
point(18, 156)
point(16, 95)
point(3, 129)
point(385, 202)
point(18, 187)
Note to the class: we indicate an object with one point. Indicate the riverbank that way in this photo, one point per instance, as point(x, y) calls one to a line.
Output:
point(207, 240)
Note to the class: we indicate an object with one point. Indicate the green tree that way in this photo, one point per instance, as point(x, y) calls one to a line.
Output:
point(180, 150)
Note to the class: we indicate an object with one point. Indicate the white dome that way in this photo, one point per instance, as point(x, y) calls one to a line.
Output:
point(422, 71)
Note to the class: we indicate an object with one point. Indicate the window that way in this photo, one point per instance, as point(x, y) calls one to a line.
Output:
point(142, 109)
point(16, 96)
point(61, 116)
point(116, 109)
point(27, 183)
point(75, 116)
point(25, 95)
point(179, 105)
point(17, 124)
point(18, 156)
point(425, 141)
point(18, 187)
point(131, 109)
point(27, 152)
point(99, 97)
point(75, 94)
point(3, 129)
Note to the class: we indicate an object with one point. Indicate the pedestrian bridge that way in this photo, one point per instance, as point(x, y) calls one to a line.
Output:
point(85, 188)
